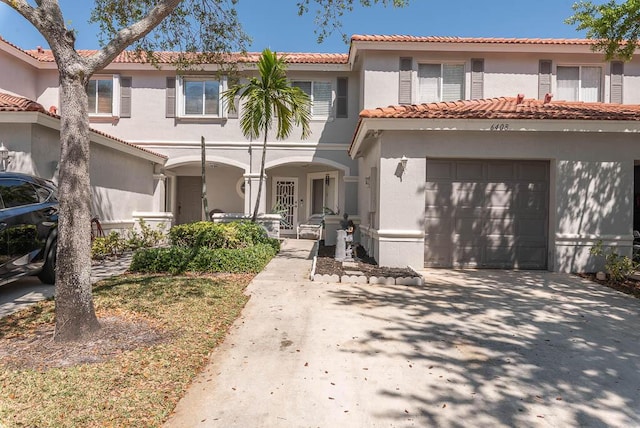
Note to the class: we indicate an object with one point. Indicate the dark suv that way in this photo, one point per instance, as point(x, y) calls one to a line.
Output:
point(28, 227)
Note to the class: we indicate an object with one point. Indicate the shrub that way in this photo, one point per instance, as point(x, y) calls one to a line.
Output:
point(147, 237)
point(237, 260)
point(220, 235)
point(110, 245)
point(173, 260)
point(619, 267)
point(176, 260)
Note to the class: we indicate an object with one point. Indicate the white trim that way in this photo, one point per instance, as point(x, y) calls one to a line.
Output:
point(279, 144)
point(180, 96)
point(514, 125)
point(395, 235)
point(311, 159)
point(175, 162)
point(589, 240)
point(322, 175)
point(351, 179)
point(115, 95)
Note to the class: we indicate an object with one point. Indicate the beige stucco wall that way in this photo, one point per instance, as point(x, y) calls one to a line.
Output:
point(506, 74)
point(591, 188)
point(17, 77)
point(120, 183)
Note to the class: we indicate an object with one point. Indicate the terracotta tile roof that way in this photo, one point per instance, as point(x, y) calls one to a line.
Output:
point(128, 57)
point(20, 104)
point(494, 40)
point(509, 108)
point(14, 103)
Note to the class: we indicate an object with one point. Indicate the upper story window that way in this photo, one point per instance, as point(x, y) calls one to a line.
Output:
point(321, 96)
point(440, 82)
point(199, 97)
point(101, 91)
point(579, 83)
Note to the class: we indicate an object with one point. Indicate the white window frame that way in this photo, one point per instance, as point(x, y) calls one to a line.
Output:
point(580, 66)
point(180, 96)
point(440, 79)
point(115, 102)
point(332, 86)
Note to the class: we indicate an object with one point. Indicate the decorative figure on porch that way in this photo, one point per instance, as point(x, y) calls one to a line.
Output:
point(344, 244)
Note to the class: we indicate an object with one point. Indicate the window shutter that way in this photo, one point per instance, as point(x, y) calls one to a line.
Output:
point(404, 92)
point(341, 97)
point(125, 96)
point(544, 78)
point(231, 82)
point(617, 76)
point(171, 97)
point(477, 79)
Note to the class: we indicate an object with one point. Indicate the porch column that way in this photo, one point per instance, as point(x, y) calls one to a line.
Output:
point(251, 193)
point(159, 189)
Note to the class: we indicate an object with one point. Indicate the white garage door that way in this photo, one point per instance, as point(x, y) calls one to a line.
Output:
point(486, 214)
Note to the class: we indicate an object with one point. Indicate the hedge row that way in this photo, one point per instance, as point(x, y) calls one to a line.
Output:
point(177, 260)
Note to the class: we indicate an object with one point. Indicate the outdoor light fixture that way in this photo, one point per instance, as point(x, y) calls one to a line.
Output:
point(326, 180)
point(5, 159)
point(404, 161)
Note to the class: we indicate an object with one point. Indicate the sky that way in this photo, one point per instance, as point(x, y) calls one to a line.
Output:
point(275, 23)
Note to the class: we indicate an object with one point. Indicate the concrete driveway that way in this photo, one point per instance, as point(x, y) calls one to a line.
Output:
point(470, 348)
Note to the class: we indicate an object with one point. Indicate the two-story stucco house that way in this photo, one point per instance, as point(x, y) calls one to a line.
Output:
point(482, 152)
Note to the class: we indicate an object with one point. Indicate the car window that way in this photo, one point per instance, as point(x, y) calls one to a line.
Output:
point(16, 193)
point(43, 193)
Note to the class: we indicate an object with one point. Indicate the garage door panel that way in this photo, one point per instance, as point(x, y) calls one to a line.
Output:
point(439, 170)
point(500, 171)
point(534, 171)
point(469, 171)
point(491, 214)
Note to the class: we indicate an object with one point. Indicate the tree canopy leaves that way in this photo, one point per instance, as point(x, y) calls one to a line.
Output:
point(614, 26)
point(329, 13)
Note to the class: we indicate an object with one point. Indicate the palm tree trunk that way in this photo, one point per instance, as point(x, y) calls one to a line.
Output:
point(264, 158)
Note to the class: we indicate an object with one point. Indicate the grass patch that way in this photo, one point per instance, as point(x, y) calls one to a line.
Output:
point(130, 387)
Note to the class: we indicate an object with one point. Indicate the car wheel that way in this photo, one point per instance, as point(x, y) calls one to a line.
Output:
point(48, 273)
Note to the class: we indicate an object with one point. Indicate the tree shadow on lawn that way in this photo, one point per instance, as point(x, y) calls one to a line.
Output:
point(505, 348)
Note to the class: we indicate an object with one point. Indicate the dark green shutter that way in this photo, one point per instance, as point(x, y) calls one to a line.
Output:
point(341, 97)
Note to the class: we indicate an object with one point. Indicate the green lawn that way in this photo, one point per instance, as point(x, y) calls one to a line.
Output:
point(138, 387)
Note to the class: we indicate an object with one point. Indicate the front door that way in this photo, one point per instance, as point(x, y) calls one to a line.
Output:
point(285, 202)
point(189, 199)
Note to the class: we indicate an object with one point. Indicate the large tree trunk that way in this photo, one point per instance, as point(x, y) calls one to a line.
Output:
point(264, 158)
point(75, 314)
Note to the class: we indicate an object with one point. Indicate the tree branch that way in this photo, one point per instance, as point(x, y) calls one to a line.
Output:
point(130, 34)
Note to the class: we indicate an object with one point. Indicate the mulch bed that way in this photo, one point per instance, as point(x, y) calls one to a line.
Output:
point(629, 286)
point(327, 265)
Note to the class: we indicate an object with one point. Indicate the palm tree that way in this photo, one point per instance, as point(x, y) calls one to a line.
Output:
point(267, 98)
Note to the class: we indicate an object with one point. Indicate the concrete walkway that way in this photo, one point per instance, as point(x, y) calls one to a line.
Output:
point(470, 348)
